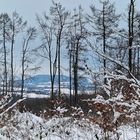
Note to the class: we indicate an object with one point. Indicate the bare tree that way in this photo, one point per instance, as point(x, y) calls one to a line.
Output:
point(26, 52)
point(104, 23)
point(17, 25)
point(47, 49)
point(53, 28)
point(5, 23)
point(60, 16)
point(76, 47)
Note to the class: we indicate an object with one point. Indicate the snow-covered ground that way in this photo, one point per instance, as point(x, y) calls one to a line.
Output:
point(35, 95)
point(23, 126)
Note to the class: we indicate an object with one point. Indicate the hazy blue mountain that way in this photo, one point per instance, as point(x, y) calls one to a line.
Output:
point(42, 83)
point(38, 79)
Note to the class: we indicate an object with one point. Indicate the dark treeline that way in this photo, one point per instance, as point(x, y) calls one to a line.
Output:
point(95, 45)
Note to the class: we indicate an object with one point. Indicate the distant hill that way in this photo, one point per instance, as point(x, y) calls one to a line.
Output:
point(37, 79)
point(42, 83)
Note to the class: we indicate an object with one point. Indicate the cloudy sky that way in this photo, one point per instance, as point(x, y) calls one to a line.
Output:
point(28, 8)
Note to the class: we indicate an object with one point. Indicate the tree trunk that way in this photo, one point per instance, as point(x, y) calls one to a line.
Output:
point(5, 59)
point(104, 45)
point(59, 80)
point(59, 61)
point(70, 77)
point(23, 74)
point(76, 73)
point(12, 59)
point(130, 33)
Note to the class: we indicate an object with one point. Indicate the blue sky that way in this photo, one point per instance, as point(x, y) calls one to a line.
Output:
point(28, 8)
